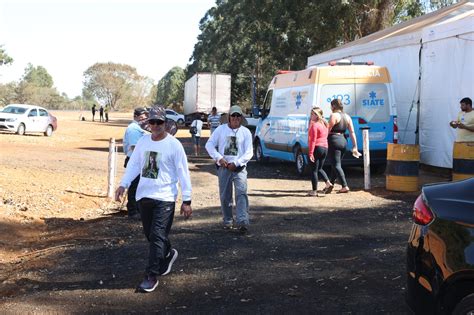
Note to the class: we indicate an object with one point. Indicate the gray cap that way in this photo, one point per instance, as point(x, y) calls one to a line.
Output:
point(235, 109)
point(140, 111)
point(157, 113)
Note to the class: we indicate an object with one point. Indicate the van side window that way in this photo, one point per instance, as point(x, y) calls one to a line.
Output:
point(372, 102)
point(267, 104)
point(345, 92)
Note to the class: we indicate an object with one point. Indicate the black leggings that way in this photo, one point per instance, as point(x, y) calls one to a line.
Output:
point(319, 154)
point(337, 148)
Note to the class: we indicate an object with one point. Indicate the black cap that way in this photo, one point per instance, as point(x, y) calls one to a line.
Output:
point(140, 111)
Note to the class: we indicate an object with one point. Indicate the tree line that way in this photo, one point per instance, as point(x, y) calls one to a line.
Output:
point(249, 39)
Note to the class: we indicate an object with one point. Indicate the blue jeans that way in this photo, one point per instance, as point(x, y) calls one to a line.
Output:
point(157, 218)
point(227, 179)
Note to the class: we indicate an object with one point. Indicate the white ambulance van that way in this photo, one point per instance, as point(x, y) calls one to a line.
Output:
point(365, 90)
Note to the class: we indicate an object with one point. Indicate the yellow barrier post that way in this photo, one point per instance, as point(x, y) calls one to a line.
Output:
point(402, 167)
point(463, 160)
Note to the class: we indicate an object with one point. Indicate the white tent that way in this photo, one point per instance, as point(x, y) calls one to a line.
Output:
point(431, 61)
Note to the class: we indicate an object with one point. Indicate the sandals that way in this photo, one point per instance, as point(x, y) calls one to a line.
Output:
point(343, 191)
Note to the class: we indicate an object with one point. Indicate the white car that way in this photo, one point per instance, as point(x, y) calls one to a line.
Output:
point(178, 118)
point(23, 118)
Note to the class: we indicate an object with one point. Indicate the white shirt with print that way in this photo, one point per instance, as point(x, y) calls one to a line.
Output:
point(160, 164)
point(198, 124)
point(234, 145)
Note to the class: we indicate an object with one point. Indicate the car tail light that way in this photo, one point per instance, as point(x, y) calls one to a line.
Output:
point(362, 121)
point(395, 130)
point(422, 214)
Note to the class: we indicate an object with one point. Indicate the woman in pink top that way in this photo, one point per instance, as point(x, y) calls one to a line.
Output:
point(318, 148)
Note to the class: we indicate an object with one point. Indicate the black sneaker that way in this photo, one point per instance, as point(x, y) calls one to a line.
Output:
point(149, 283)
point(228, 226)
point(169, 260)
point(243, 228)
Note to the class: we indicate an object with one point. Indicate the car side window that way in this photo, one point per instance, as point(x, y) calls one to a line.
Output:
point(169, 112)
point(43, 113)
point(33, 113)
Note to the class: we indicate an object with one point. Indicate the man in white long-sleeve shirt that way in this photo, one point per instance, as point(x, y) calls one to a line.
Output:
point(230, 146)
point(160, 161)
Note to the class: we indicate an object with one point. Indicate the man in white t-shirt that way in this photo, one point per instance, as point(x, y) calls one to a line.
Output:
point(160, 161)
point(230, 146)
point(464, 122)
point(197, 136)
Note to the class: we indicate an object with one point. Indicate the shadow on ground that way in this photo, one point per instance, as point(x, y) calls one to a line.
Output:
point(293, 260)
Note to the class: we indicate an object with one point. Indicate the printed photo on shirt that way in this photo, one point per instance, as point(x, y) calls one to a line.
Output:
point(231, 146)
point(150, 169)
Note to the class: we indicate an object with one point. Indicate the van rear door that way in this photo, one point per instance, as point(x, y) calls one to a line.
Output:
point(372, 104)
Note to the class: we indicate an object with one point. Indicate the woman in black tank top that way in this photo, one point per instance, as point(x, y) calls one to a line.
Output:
point(339, 122)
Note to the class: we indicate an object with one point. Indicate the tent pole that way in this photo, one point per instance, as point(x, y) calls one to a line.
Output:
point(418, 105)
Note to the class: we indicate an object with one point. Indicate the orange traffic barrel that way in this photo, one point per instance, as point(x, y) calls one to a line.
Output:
point(463, 160)
point(402, 167)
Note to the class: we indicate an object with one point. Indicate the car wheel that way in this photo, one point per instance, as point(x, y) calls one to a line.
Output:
point(259, 157)
point(466, 306)
point(180, 121)
point(49, 131)
point(21, 129)
point(300, 161)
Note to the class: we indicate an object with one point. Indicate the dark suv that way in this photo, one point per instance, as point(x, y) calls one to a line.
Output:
point(440, 254)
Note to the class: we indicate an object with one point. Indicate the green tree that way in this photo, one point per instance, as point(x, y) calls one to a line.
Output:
point(36, 87)
point(170, 89)
point(7, 93)
point(116, 85)
point(259, 37)
point(4, 58)
point(37, 76)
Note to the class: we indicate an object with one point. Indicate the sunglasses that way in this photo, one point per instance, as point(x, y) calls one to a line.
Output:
point(155, 122)
point(235, 115)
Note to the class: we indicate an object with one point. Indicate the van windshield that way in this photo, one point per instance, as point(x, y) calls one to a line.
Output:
point(368, 101)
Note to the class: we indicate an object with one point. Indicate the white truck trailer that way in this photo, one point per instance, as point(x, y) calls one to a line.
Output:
point(203, 91)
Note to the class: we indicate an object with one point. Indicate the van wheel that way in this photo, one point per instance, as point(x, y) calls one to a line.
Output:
point(466, 306)
point(259, 157)
point(300, 161)
point(21, 129)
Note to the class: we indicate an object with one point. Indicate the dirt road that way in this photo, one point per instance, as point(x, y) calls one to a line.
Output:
point(66, 248)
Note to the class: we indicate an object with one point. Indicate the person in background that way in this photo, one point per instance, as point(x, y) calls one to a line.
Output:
point(197, 136)
point(230, 146)
point(157, 193)
point(318, 148)
point(464, 122)
point(213, 120)
point(106, 112)
point(101, 113)
point(133, 133)
point(339, 122)
point(93, 112)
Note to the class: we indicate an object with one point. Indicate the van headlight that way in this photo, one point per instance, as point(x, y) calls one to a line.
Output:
point(11, 119)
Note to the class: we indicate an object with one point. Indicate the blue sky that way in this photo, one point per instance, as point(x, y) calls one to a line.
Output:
point(68, 36)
